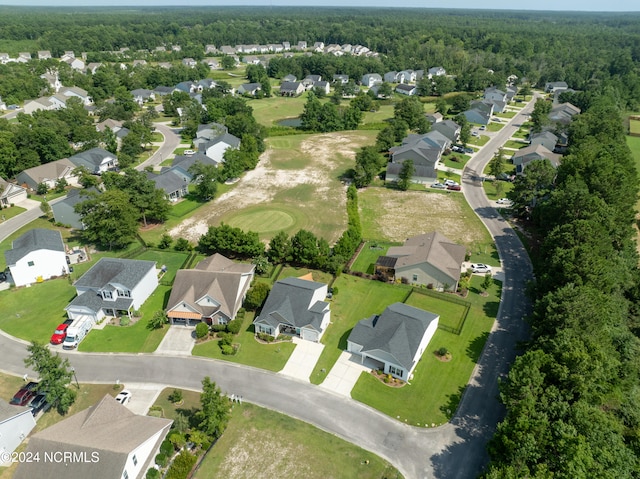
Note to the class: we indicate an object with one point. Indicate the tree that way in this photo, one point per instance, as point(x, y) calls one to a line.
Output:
point(279, 248)
point(486, 282)
point(368, 163)
point(213, 416)
point(42, 189)
point(86, 179)
point(385, 139)
point(304, 248)
point(158, 320)
point(529, 188)
point(406, 174)
point(411, 111)
point(45, 207)
point(256, 296)
point(442, 106)
point(540, 115)
point(61, 184)
point(205, 178)
point(496, 164)
point(109, 218)
point(461, 102)
point(424, 86)
point(465, 128)
point(385, 90)
point(54, 374)
point(227, 62)
point(443, 84)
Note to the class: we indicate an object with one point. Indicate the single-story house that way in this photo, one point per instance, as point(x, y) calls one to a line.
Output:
point(426, 259)
point(48, 173)
point(294, 88)
point(107, 440)
point(35, 256)
point(64, 210)
point(215, 147)
point(524, 156)
point(213, 291)
point(16, 422)
point(434, 118)
point(371, 79)
point(95, 160)
point(11, 194)
point(322, 85)
point(405, 89)
point(436, 72)
point(339, 78)
point(182, 163)
point(44, 54)
point(249, 89)
point(173, 185)
point(480, 112)
point(111, 286)
point(297, 307)
point(42, 103)
point(554, 86)
point(395, 340)
point(77, 92)
point(563, 113)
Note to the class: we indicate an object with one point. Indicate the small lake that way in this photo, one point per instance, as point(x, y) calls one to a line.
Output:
point(291, 122)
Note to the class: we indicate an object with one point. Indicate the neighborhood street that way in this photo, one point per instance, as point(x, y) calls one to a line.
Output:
point(454, 450)
point(171, 142)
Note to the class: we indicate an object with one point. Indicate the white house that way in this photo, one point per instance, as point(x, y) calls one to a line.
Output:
point(111, 441)
point(11, 194)
point(96, 160)
point(36, 256)
point(16, 422)
point(395, 340)
point(297, 307)
point(113, 286)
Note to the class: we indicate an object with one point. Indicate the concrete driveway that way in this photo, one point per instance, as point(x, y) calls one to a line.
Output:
point(303, 359)
point(344, 374)
point(143, 395)
point(178, 341)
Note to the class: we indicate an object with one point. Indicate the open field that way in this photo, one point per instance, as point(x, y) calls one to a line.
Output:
point(268, 111)
point(298, 177)
point(259, 443)
point(390, 215)
point(384, 113)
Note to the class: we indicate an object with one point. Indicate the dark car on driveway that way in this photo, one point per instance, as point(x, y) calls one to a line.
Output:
point(39, 403)
point(24, 395)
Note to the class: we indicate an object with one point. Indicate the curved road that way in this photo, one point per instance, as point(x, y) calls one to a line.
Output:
point(454, 450)
point(170, 143)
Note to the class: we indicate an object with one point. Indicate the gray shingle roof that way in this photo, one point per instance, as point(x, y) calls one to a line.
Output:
point(34, 240)
point(126, 272)
point(289, 302)
point(94, 302)
point(186, 162)
point(398, 332)
point(167, 181)
point(91, 158)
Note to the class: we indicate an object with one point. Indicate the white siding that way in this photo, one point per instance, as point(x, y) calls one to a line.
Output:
point(144, 288)
point(14, 430)
point(46, 264)
point(142, 453)
point(428, 334)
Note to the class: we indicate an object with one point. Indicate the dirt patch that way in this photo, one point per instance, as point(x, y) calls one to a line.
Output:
point(262, 454)
point(322, 157)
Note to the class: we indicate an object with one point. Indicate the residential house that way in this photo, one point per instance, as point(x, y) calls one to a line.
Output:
point(448, 128)
point(52, 80)
point(310, 80)
point(16, 422)
point(426, 259)
point(107, 440)
point(275, 47)
point(210, 49)
point(249, 89)
point(163, 90)
point(434, 118)
point(288, 88)
point(512, 91)
point(173, 185)
point(544, 138)
point(497, 97)
point(44, 54)
point(296, 307)
point(554, 86)
point(4, 58)
point(113, 286)
point(289, 78)
point(75, 63)
point(212, 63)
point(189, 62)
point(64, 210)
point(339, 78)
point(188, 87)
point(318, 47)
point(424, 150)
point(391, 77)
point(74, 91)
point(11, 194)
point(3, 105)
point(182, 164)
point(23, 57)
point(405, 89)
point(165, 65)
point(395, 340)
point(113, 125)
point(36, 256)
point(142, 95)
point(213, 291)
point(302, 45)
point(480, 112)
point(286, 46)
point(371, 79)
point(563, 113)
point(322, 86)
point(95, 160)
point(93, 67)
point(42, 103)
point(228, 50)
point(250, 60)
point(49, 174)
point(421, 174)
point(524, 156)
point(407, 76)
point(436, 72)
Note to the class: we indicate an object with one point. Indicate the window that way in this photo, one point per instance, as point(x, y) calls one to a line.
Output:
point(397, 371)
point(125, 475)
point(124, 294)
point(415, 277)
point(107, 295)
point(135, 460)
point(30, 263)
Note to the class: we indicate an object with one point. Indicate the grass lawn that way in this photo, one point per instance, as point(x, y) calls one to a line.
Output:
point(130, 339)
point(515, 144)
point(366, 260)
point(521, 133)
point(173, 260)
point(451, 314)
point(634, 126)
point(190, 403)
point(272, 357)
point(456, 161)
point(493, 193)
point(320, 276)
point(384, 113)
point(495, 126)
point(480, 140)
point(506, 114)
point(262, 443)
point(436, 387)
point(446, 175)
point(10, 212)
point(268, 111)
point(357, 299)
point(184, 207)
point(267, 220)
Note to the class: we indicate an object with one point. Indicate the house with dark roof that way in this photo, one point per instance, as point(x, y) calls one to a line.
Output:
point(405, 89)
point(10, 194)
point(524, 156)
point(563, 113)
point(16, 422)
point(296, 307)
point(544, 138)
point(395, 340)
point(449, 128)
point(436, 72)
point(142, 95)
point(48, 174)
point(249, 89)
point(106, 441)
point(213, 140)
point(64, 210)
point(173, 185)
point(95, 160)
point(113, 286)
point(213, 291)
point(480, 112)
point(291, 88)
point(554, 86)
point(35, 256)
point(182, 163)
point(424, 150)
point(340, 78)
point(426, 259)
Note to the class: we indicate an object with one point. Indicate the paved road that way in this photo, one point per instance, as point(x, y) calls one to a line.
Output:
point(12, 225)
point(455, 450)
point(171, 141)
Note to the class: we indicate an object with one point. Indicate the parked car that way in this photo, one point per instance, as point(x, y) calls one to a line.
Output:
point(3, 276)
point(457, 149)
point(189, 152)
point(468, 150)
point(450, 183)
point(454, 187)
point(124, 396)
point(482, 128)
point(504, 201)
point(39, 403)
point(475, 133)
point(439, 186)
point(480, 268)
point(24, 395)
point(59, 334)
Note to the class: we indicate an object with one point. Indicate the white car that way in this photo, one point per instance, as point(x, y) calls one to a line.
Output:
point(438, 186)
point(504, 201)
point(480, 268)
point(450, 183)
point(124, 396)
point(189, 152)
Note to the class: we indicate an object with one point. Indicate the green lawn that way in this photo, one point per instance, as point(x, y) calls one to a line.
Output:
point(446, 175)
point(436, 388)
point(268, 111)
point(265, 356)
point(289, 271)
point(190, 403)
point(10, 212)
point(451, 314)
point(506, 114)
point(385, 112)
point(357, 299)
point(173, 260)
point(495, 126)
point(366, 260)
point(130, 339)
point(455, 160)
point(479, 140)
point(184, 207)
point(263, 443)
point(515, 144)
point(634, 126)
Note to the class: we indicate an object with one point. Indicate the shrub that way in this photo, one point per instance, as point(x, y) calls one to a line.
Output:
point(216, 328)
point(124, 320)
point(202, 330)
point(334, 290)
point(227, 350)
point(226, 339)
point(181, 466)
point(266, 337)
point(442, 351)
point(152, 474)
point(256, 296)
point(177, 439)
point(158, 320)
point(161, 460)
point(182, 244)
point(165, 241)
point(234, 326)
point(175, 396)
point(166, 448)
point(404, 280)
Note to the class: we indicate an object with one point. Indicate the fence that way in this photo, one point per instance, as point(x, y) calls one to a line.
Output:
point(445, 297)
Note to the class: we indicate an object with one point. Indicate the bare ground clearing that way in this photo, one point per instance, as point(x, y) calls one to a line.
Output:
point(317, 162)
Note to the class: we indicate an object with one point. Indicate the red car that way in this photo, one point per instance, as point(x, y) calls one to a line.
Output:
point(59, 334)
point(454, 187)
point(24, 395)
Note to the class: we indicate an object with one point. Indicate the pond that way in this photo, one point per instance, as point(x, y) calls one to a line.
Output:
point(291, 122)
